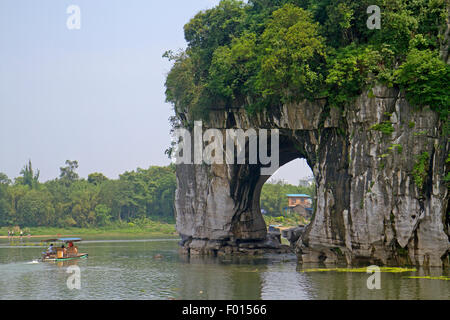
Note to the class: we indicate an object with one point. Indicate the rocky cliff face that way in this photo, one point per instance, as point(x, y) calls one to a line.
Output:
point(370, 205)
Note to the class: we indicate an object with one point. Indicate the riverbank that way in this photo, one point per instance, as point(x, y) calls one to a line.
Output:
point(149, 229)
point(128, 230)
point(287, 220)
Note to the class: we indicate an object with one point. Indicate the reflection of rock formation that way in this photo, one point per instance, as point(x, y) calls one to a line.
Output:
point(281, 282)
point(218, 279)
point(394, 286)
point(368, 205)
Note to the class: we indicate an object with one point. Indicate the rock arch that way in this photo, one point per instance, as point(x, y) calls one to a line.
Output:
point(368, 205)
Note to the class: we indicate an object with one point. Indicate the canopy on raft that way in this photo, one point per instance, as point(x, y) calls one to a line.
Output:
point(64, 240)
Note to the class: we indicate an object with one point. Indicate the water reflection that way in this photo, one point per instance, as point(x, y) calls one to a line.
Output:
point(282, 282)
point(221, 278)
point(155, 270)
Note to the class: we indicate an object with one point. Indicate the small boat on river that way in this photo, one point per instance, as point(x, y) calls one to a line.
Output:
point(62, 253)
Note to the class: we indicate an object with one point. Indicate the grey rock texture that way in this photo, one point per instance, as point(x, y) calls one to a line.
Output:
point(369, 207)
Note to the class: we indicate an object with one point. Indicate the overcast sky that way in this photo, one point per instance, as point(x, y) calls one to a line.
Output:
point(95, 95)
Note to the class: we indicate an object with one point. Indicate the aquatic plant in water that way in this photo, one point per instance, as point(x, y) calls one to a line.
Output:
point(364, 270)
point(430, 278)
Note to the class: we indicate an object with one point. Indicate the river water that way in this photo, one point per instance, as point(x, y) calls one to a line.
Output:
point(153, 269)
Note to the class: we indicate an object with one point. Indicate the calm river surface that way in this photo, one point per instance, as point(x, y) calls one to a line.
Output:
point(153, 269)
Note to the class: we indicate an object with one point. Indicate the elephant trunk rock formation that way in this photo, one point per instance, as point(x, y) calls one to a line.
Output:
point(369, 207)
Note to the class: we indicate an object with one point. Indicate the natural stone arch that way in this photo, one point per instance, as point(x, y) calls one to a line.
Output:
point(368, 206)
point(253, 182)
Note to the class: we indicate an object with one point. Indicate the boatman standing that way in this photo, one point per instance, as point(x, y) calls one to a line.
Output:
point(50, 249)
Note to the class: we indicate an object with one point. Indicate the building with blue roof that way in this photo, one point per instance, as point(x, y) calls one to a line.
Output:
point(299, 199)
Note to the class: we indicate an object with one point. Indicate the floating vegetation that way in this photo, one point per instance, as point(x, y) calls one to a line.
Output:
point(363, 270)
point(431, 278)
point(25, 244)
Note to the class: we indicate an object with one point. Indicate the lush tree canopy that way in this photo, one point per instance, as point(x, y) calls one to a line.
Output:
point(263, 53)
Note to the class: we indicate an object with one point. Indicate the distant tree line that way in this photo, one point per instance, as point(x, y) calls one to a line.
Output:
point(70, 201)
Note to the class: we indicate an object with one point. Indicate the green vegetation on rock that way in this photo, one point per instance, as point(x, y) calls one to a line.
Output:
point(426, 80)
point(420, 170)
point(384, 127)
point(447, 176)
point(262, 54)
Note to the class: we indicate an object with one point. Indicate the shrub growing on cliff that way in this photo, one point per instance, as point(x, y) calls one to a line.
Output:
point(426, 80)
point(232, 70)
point(350, 70)
point(384, 127)
point(420, 170)
point(291, 56)
point(447, 176)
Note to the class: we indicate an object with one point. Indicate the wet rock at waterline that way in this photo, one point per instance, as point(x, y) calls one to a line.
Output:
point(369, 206)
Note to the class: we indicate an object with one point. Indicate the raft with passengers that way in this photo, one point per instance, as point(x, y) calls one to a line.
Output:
point(62, 253)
